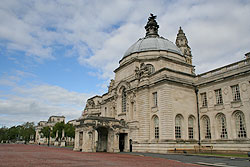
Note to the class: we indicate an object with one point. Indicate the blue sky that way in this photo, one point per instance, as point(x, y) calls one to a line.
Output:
point(56, 54)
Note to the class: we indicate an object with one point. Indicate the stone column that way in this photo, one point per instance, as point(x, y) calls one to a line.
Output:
point(37, 139)
point(62, 144)
point(110, 141)
point(87, 141)
point(76, 147)
point(63, 133)
point(56, 141)
point(126, 143)
point(116, 142)
point(94, 141)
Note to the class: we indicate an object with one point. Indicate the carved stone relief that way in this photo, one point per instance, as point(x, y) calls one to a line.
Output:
point(225, 90)
point(142, 71)
point(243, 87)
point(210, 94)
point(111, 85)
point(90, 103)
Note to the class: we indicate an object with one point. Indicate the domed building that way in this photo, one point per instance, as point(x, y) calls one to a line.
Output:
point(156, 103)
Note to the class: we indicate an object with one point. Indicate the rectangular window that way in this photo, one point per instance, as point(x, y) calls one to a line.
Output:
point(155, 99)
point(190, 132)
point(204, 99)
point(157, 132)
point(236, 92)
point(218, 96)
point(124, 100)
point(208, 134)
point(177, 132)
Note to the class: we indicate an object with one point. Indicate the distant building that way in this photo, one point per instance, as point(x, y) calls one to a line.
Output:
point(40, 139)
point(73, 122)
point(157, 103)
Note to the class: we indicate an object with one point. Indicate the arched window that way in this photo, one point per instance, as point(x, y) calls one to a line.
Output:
point(156, 127)
point(206, 127)
point(150, 68)
point(124, 100)
point(191, 127)
point(222, 125)
point(240, 125)
point(178, 120)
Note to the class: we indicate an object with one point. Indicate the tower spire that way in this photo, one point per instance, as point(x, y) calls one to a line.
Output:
point(182, 43)
point(152, 27)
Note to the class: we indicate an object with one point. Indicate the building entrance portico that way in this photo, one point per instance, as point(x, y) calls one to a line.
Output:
point(100, 134)
point(102, 141)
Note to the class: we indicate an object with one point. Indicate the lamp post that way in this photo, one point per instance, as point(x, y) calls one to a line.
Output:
point(49, 137)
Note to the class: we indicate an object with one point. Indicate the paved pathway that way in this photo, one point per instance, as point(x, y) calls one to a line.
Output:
point(202, 160)
point(20, 155)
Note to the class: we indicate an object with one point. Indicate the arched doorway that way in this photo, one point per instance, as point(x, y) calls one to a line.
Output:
point(102, 141)
point(122, 142)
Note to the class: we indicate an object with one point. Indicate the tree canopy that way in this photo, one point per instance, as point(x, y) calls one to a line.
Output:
point(69, 130)
point(24, 132)
point(46, 131)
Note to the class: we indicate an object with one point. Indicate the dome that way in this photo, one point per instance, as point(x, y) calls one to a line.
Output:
point(152, 44)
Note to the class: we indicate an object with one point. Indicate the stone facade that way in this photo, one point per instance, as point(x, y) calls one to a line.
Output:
point(156, 102)
point(40, 139)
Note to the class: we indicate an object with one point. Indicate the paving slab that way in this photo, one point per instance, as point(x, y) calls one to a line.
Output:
point(21, 155)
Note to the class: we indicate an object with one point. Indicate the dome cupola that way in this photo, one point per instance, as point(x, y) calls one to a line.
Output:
point(152, 41)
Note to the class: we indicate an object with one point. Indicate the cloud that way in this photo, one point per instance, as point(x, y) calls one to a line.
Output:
point(36, 102)
point(212, 31)
point(97, 34)
point(102, 31)
point(113, 49)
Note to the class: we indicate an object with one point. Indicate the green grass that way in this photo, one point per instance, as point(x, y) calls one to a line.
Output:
point(225, 155)
point(69, 146)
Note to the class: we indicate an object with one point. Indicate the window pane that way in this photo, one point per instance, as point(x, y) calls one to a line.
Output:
point(218, 96)
point(240, 125)
point(204, 99)
point(222, 126)
point(155, 99)
point(236, 92)
point(124, 96)
point(178, 127)
point(156, 127)
point(206, 128)
point(191, 127)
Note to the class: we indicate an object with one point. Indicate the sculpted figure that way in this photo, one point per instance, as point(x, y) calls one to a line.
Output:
point(111, 85)
point(90, 103)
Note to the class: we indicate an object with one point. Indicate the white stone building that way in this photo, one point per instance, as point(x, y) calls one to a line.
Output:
point(40, 139)
point(157, 103)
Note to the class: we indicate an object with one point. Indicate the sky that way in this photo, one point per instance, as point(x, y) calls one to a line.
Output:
point(55, 54)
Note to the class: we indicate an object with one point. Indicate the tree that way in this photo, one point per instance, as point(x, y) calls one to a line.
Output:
point(3, 134)
point(28, 131)
point(22, 132)
point(69, 130)
point(13, 133)
point(46, 132)
point(58, 128)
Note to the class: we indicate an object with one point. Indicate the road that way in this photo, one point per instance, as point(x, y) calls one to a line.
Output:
point(201, 160)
